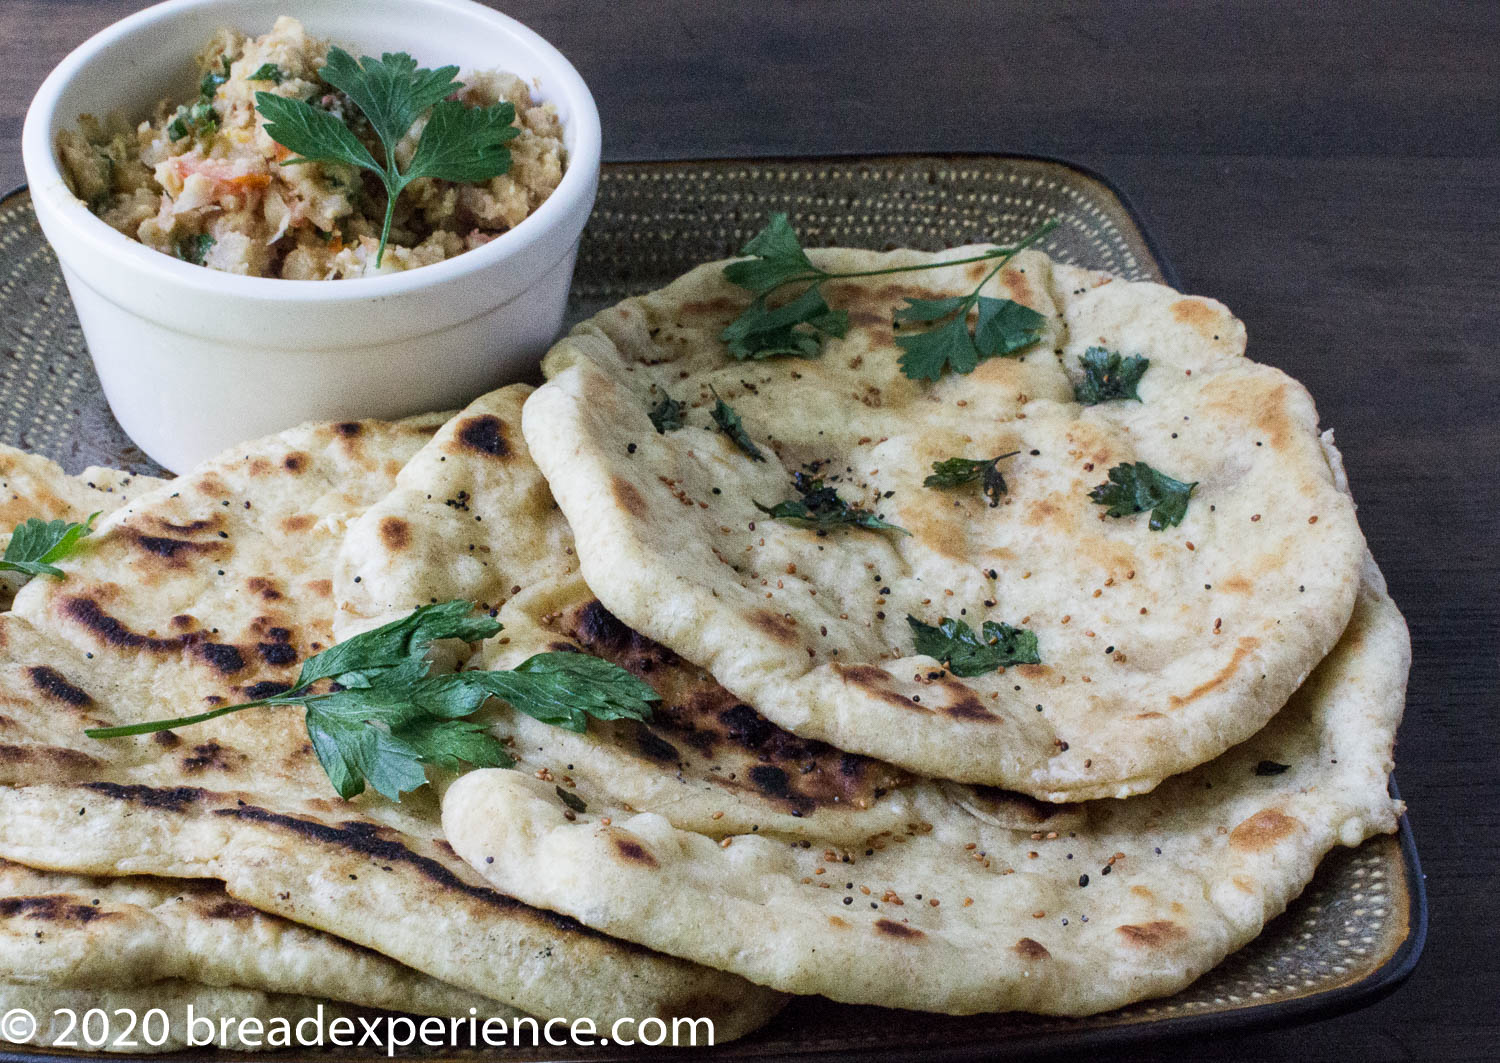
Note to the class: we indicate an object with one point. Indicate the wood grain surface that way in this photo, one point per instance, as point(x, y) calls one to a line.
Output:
point(1330, 170)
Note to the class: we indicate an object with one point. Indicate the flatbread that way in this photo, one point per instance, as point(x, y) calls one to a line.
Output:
point(79, 932)
point(33, 486)
point(1159, 649)
point(956, 915)
point(470, 517)
point(212, 589)
point(477, 522)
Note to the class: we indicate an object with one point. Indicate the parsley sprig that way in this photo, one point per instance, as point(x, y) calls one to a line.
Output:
point(1108, 376)
point(459, 143)
point(955, 472)
point(799, 326)
point(36, 543)
point(383, 717)
point(821, 507)
point(953, 643)
point(1135, 488)
point(1002, 327)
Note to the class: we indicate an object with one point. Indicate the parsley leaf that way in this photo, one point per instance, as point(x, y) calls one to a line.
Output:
point(820, 507)
point(730, 424)
point(268, 72)
point(1002, 327)
point(194, 249)
point(1107, 376)
point(966, 654)
point(666, 415)
point(209, 86)
point(955, 472)
point(1135, 488)
point(458, 143)
point(761, 332)
point(777, 259)
point(199, 120)
point(384, 718)
point(35, 544)
point(572, 800)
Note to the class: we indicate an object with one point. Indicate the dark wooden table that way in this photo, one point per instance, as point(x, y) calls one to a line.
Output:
point(1330, 170)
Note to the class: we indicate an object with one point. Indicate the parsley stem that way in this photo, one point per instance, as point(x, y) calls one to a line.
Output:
point(820, 276)
point(126, 730)
point(1035, 235)
point(385, 230)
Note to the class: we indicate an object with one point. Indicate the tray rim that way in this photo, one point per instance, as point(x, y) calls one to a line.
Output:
point(1327, 1004)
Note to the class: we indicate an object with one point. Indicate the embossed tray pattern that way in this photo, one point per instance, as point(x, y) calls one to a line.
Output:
point(1353, 935)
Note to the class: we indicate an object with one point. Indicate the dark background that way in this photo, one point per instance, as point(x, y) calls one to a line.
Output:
point(1329, 170)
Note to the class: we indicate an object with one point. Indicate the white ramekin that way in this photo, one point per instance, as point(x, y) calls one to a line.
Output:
point(194, 360)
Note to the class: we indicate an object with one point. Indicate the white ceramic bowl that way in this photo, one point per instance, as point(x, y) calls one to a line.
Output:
point(194, 360)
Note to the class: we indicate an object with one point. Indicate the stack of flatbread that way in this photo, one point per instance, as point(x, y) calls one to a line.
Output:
point(814, 807)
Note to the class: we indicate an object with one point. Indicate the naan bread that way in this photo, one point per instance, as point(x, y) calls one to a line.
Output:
point(107, 934)
point(707, 760)
point(213, 589)
point(470, 517)
point(32, 486)
point(956, 915)
point(1159, 649)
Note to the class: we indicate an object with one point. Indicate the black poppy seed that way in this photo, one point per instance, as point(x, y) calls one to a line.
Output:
point(1109, 649)
point(1104, 870)
point(1065, 921)
point(1038, 708)
point(1034, 453)
point(1083, 880)
point(1084, 918)
point(875, 906)
point(1157, 850)
point(489, 859)
point(1070, 856)
point(630, 449)
point(848, 900)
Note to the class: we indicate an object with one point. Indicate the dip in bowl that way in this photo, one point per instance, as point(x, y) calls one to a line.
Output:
point(194, 360)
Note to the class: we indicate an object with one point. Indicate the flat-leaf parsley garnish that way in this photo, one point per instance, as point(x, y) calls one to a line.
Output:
point(1135, 488)
point(35, 544)
point(1002, 327)
point(798, 326)
point(459, 143)
point(819, 506)
point(383, 717)
point(966, 654)
point(666, 415)
point(1107, 376)
point(730, 424)
point(268, 72)
point(955, 472)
